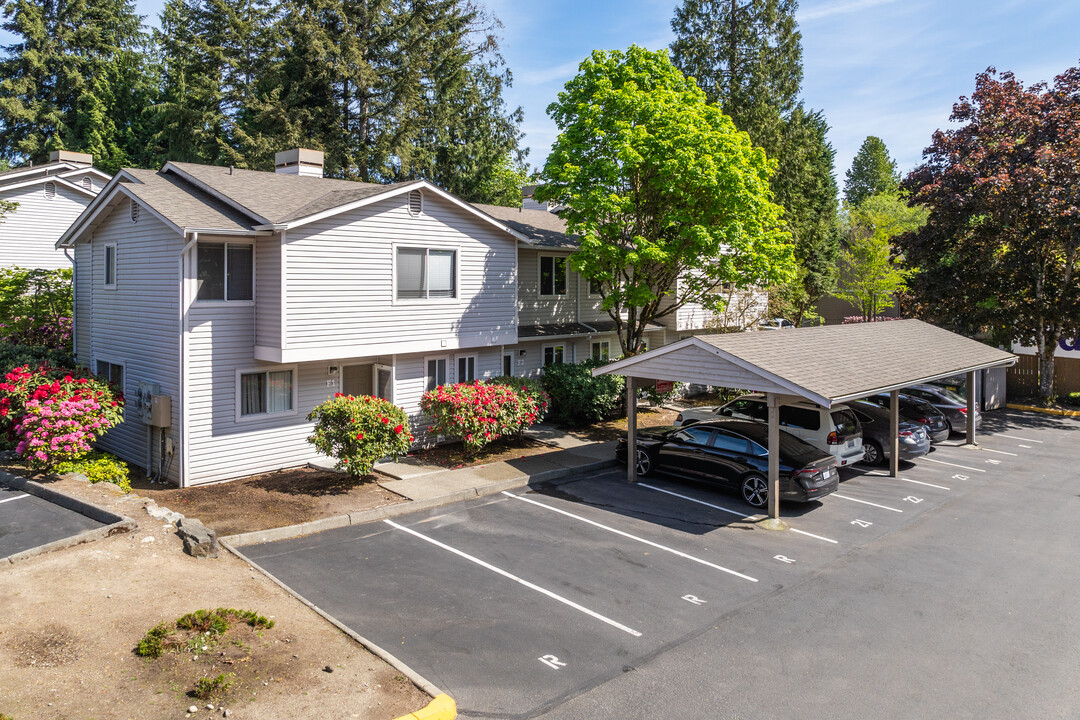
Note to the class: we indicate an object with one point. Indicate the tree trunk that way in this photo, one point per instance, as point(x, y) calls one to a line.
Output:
point(1046, 365)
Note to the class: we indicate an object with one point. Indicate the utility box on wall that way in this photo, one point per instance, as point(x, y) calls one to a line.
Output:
point(161, 410)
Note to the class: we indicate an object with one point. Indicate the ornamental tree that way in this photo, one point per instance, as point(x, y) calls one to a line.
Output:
point(480, 413)
point(359, 431)
point(661, 189)
point(1001, 247)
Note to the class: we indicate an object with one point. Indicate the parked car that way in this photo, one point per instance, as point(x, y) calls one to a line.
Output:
point(733, 453)
point(835, 431)
point(953, 405)
point(920, 411)
point(776, 324)
point(877, 448)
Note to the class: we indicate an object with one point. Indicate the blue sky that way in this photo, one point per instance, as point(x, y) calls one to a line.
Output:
point(891, 68)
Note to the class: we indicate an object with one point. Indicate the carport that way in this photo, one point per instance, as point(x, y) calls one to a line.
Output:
point(826, 365)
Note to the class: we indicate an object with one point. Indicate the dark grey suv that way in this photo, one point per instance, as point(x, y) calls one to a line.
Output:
point(951, 404)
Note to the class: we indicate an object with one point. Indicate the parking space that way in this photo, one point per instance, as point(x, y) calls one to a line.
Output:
point(27, 522)
point(517, 602)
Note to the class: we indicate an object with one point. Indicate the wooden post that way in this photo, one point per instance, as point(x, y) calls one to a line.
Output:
point(971, 408)
point(631, 431)
point(774, 456)
point(894, 433)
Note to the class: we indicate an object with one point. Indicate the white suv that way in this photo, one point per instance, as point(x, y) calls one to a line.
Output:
point(836, 431)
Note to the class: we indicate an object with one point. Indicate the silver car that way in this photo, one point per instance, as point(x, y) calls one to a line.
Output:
point(950, 403)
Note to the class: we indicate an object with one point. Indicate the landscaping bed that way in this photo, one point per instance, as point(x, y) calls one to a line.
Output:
point(453, 455)
point(614, 429)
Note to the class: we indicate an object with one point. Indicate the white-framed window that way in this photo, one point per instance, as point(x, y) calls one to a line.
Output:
point(50, 190)
point(109, 266)
point(466, 369)
point(554, 354)
point(416, 202)
point(435, 372)
point(111, 372)
point(226, 271)
point(601, 350)
point(594, 288)
point(265, 391)
point(425, 273)
point(508, 364)
point(552, 275)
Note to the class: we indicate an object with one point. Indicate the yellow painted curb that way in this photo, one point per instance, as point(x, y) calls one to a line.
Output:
point(1044, 411)
point(442, 707)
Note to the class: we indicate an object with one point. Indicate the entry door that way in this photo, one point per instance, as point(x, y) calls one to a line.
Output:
point(356, 380)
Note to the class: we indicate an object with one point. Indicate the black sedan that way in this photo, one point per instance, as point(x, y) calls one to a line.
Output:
point(920, 411)
point(733, 453)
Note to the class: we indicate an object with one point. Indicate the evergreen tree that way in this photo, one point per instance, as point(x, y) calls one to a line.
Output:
point(70, 58)
point(872, 172)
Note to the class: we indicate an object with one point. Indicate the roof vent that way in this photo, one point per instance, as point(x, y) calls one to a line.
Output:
point(298, 161)
point(88, 183)
point(71, 157)
point(416, 202)
point(50, 190)
point(134, 211)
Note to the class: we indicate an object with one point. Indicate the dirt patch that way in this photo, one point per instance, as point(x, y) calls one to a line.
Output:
point(614, 429)
point(453, 455)
point(81, 612)
point(276, 499)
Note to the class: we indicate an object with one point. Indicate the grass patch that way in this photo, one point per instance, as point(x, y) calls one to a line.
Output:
point(212, 688)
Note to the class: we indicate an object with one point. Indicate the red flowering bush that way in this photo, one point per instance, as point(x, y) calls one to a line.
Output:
point(358, 431)
point(480, 412)
point(50, 415)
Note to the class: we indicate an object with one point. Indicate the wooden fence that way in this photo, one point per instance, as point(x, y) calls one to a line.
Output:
point(1023, 377)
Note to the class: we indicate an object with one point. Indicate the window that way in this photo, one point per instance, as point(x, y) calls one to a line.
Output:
point(50, 190)
point(552, 275)
point(266, 392)
point(749, 409)
point(416, 202)
point(226, 271)
point(110, 267)
point(436, 373)
point(800, 417)
point(113, 373)
point(553, 355)
point(425, 274)
point(695, 435)
point(601, 350)
point(508, 364)
point(730, 443)
point(594, 287)
point(466, 369)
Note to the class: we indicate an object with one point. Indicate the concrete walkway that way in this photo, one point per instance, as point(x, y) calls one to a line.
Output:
point(569, 454)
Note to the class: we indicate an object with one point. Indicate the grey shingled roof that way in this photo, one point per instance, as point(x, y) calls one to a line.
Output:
point(45, 168)
point(278, 197)
point(183, 204)
point(847, 361)
point(553, 330)
point(543, 228)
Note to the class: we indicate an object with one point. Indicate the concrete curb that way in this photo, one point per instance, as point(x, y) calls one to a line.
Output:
point(388, 511)
point(114, 523)
point(442, 707)
point(1044, 411)
point(416, 678)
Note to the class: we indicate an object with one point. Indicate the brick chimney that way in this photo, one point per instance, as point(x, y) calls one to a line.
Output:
point(298, 161)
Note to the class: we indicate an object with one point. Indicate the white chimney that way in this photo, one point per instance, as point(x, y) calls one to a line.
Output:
point(298, 161)
point(77, 158)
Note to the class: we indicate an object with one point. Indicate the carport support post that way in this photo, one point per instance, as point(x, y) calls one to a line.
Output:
point(774, 457)
point(631, 431)
point(971, 408)
point(894, 433)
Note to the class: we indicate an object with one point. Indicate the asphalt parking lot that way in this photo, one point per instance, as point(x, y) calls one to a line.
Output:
point(27, 522)
point(938, 593)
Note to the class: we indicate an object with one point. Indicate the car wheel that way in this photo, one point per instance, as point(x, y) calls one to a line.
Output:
point(872, 454)
point(644, 464)
point(755, 490)
point(948, 424)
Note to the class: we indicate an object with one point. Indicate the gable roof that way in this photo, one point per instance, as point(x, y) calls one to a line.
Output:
point(543, 228)
point(59, 168)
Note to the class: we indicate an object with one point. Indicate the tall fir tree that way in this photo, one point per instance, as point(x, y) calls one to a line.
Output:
point(747, 57)
point(872, 172)
point(72, 57)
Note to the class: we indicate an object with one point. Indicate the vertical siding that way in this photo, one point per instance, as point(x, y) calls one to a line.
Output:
point(268, 291)
point(137, 324)
point(27, 235)
point(339, 280)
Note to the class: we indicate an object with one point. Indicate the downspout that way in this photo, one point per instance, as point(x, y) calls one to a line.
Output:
point(74, 302)
point(183, 359)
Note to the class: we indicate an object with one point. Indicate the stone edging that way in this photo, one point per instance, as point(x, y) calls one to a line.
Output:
point(114, 523)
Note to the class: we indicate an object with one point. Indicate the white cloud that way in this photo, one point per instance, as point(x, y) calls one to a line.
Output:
point(543, 76)
point(839, 7)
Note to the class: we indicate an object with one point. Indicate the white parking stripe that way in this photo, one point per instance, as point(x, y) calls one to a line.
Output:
point(942, 462)
point(803, 532)
point(516, 579)
point(699, 502)
point(17, 497)
point(650, 543)
point(999, 452)
point(1013, 437)
point(864, 502)
point(919, 482)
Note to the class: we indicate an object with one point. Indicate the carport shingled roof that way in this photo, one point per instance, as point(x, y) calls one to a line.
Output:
point(831, 363)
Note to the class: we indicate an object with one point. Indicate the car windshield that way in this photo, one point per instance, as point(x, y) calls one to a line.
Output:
point(919, 408)
point(952, 396)
point(791, 447)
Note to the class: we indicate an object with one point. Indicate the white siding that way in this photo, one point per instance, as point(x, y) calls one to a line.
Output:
point(268, 291)
point(137, 324)
point(339, 286)
point(534, 309)
point(28, 234)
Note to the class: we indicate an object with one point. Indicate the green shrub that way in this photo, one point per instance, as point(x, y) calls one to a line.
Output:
point(358, 431)
point(98, 467)
point(529, 388)
point(578, 398)
point(36, 307)
point(207, 688)
point(657, 399)
point(203, 627)
point(480, 412)
point(13, 355)
point(1072, 398)
point(156, 641)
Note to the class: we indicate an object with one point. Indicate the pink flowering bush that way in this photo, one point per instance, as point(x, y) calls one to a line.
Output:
point(480, 412)
point(50, 415)
point(358, 431)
